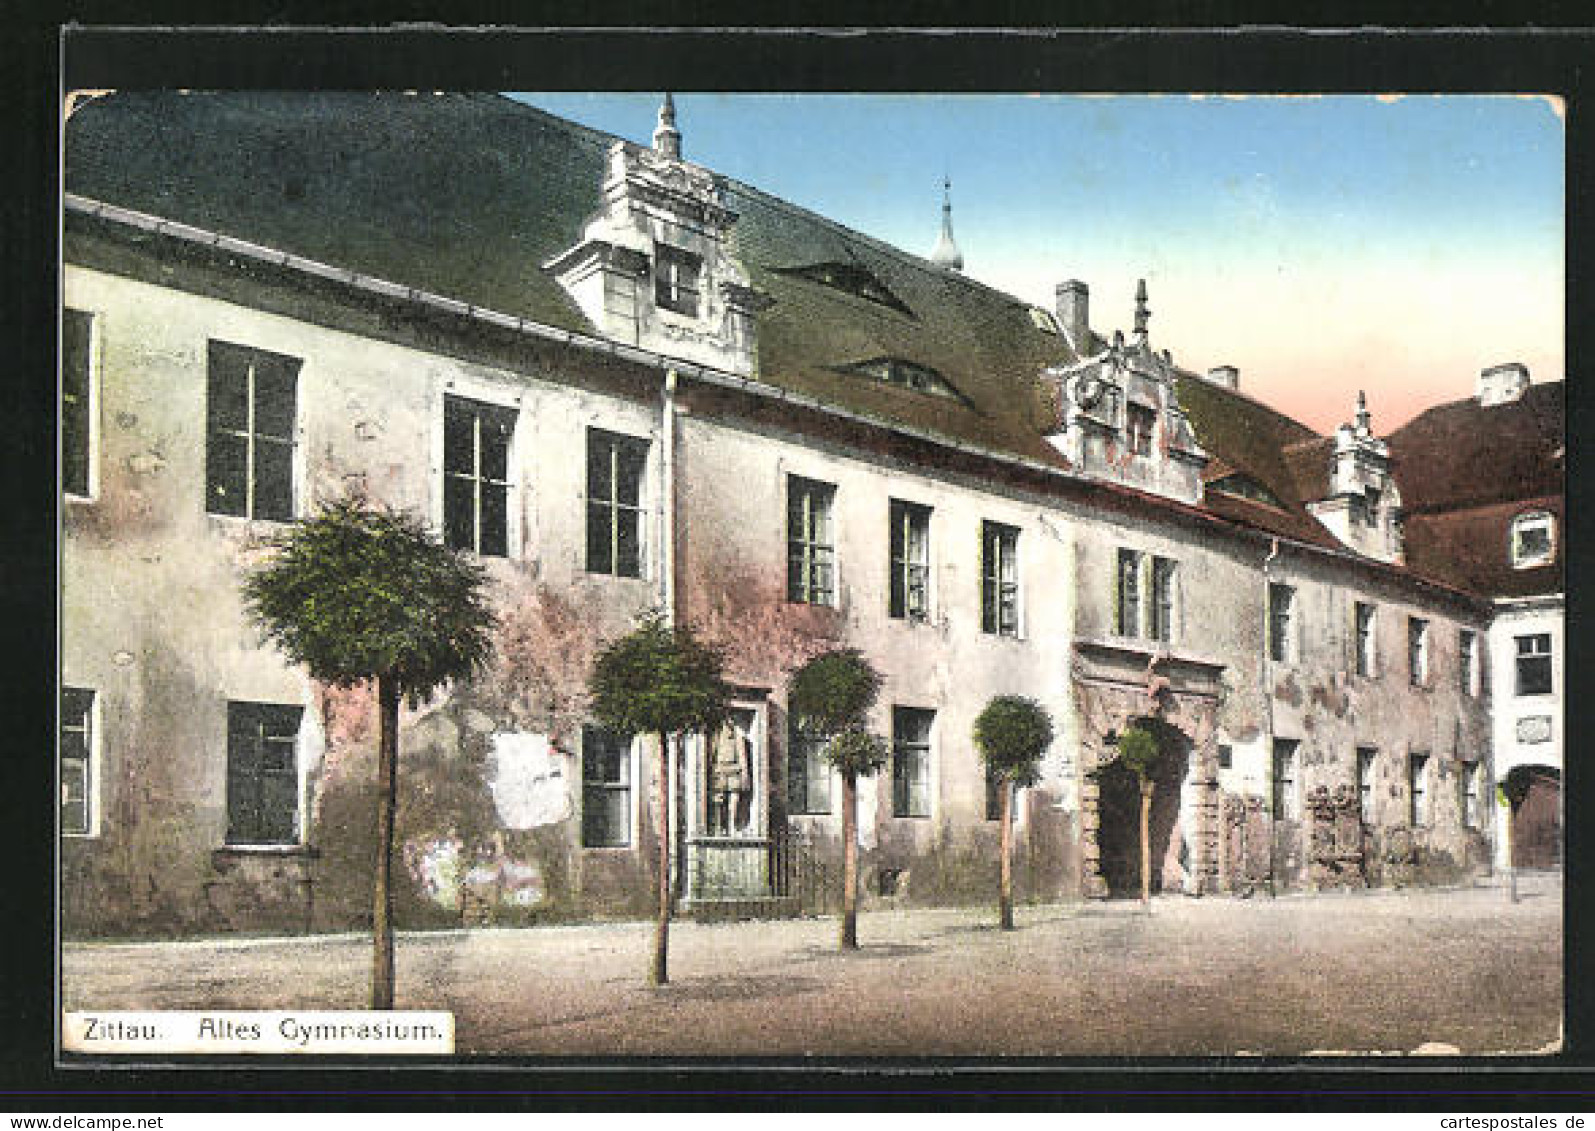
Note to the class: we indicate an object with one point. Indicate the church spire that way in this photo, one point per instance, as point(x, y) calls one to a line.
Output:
point(946, 253)
point(667, 139)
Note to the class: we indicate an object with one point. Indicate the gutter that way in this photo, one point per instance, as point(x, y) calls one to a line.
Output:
point(719, 378)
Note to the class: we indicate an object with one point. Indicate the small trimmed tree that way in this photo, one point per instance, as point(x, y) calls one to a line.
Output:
point(831, 697)
point(660, 680)
point(359, 595)
point(1139, 751)
point(1011, 733)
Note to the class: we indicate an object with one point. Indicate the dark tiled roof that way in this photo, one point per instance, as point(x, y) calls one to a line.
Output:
point(1469, 548)
point(1464, 455)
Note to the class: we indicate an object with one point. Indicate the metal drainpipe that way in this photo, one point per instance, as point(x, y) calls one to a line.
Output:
point(667, 539)
point(1268, 717)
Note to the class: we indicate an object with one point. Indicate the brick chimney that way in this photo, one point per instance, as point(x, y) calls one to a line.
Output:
point(1074, 312)
point(1502, 384)
point(1225, 375)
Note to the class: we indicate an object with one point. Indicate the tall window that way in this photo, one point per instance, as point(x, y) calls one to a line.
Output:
point(1470, 794)
point(1418, 789)
point(262, 773)
point(1418, 650)
point(476, 470)
point(77, 761)
point(1533, 539)
point(1468, 661)
point(1534, 664)
point(77, 401)
point(810, 547)
point(676, 274)
point(250, 414)
point(1140, 422)
point(1363, 630)
point(1127, 594)
point(808, 777)
point(911, 761)
point(999, 579)
point(1162, 627)
point(614, 503)
point(1281, 612)
point(910, 554)
point(1287, 805)
point(606, 789)
point(1365, 780)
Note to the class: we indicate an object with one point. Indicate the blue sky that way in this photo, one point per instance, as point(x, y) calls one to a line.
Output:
point(1321, 244)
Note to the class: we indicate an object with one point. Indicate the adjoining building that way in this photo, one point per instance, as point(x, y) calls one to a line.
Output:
point(625, 383)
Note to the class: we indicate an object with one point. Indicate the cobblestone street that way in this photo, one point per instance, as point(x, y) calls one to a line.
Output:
point(1457, 971)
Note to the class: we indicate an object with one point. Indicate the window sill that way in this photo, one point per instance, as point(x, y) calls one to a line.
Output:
point(78, 500)
point(607, 848)
point(305, 850)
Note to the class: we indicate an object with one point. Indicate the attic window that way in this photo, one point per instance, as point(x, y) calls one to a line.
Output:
point(676, 275)
point(1533, 540)
point(852, 278)
point(906, 374)
point(1245, 487)
point(1044, 321)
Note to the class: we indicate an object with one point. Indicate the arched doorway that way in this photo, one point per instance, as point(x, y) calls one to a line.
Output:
point(1119, 814)
point(1537, 820)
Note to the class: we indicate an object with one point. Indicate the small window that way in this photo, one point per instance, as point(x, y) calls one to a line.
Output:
point(1127, 594)
point(1366, 756)
point(1226, 756)
point(262, 773)
point(905, 374)
point(1418, 790)
point(606, 789)
point(1140, 421)
point(999, 579)
point(676, 279)
point(1534, 664)
point(1471, 777)
point(250, 414)
point(1418, 651)
point(911, 761)
point(808, 775)
point(1163, 577)
point(77, 761)
point(1371, 498)
point(811, 548)
point(1245, 487)
point(476, 475)
point(910, 556)
point(77, 402)
point(1468, 661)
point(1363, 629)
point(852, 278)
point(1281, 613)
point(1533, 540)
point(615, 466)
point(1287, 805)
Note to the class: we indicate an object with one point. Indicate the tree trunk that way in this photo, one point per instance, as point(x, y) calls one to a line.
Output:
point(1005, 883)
point(661, 972)
point(1511, 860)
point(1146, 844)
point(387, 803)
point(849, 861)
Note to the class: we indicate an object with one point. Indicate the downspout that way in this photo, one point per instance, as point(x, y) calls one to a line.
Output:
point(1268, 714)
point(667, 494)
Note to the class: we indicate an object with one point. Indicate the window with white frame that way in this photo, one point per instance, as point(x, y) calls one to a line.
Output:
point(606, 788)
point(1139, 423)
point(1471, 779)
point(262, 773)
point(911, 761)
point(909, 597)
point(615, 467)
point(1468, 661)
point(1418, 789)
point(1287, 805)
point(677, 274)
point(1281, 618)
point(808, 775)
point(476, 475)
point(1127, 594)
point(251, 411)
point(77, 402)
point(1363, 634)
point(1144, 595)
point(999, 579)
point(1162, 608)
point(810, 544)
point(77, 761)
point(1367, 761)
point(1534, 664)
point(1417, 651)
point(1533, 539)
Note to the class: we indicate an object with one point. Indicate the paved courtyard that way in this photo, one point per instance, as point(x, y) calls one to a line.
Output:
point(1462, 970)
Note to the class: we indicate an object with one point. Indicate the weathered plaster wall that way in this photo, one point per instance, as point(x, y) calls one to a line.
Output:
point(1528, 728)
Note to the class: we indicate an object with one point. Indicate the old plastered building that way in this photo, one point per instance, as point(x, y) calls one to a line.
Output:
point(626, 383)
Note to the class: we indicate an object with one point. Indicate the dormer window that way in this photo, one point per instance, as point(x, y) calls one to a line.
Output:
point(1370, 506)
point(1533, 540)
point(676, 276)
point(904, 374)
point(1139, 422)
point(852, 278)
point(1245, 487)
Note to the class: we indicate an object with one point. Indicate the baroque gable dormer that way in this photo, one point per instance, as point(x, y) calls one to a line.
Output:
point(1119, 418)
point(654, 266)
point(1363, 507)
